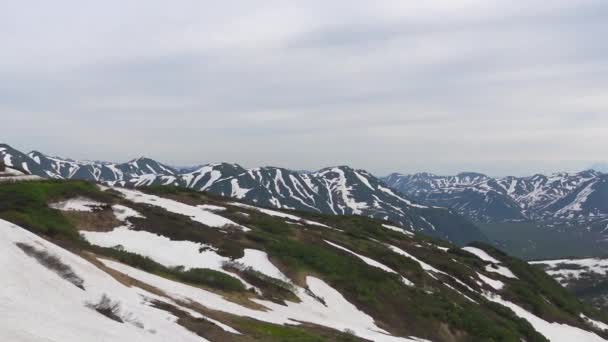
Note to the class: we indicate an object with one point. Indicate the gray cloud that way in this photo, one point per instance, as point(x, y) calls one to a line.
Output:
point(444, 86)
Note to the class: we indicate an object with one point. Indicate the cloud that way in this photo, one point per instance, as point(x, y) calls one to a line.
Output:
point(501, 86)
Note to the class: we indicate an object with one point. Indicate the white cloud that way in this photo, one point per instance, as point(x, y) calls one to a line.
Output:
point(500, 86)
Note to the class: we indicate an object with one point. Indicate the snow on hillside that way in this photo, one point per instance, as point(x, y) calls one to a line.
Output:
point(279, 214)
point(555, 332)
point(494, 266)
point(199, 214)
point(566, 270)
point(335, 190)
point(76, 204)
point(36, 304)
point(371, 262)
point(337, 312)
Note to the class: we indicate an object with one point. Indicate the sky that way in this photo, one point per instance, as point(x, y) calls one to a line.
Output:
point(501, 87)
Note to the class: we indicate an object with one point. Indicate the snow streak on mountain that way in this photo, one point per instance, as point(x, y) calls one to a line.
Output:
point(573, 198)
point(336, 190)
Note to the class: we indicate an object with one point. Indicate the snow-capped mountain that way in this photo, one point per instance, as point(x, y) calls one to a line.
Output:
point(337, 190)
point(580, 198)
point(85, 262)
point(99, 171)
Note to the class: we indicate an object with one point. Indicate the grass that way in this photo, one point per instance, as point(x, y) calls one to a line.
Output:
point(25, 204)
point(278, 333)
point(197, 276)
point(300, 251)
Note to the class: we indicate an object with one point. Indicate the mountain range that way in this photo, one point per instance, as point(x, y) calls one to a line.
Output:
point(579, 199)
point(336, 190)
point(86, 262)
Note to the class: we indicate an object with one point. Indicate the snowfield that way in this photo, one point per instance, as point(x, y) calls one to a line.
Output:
point(398, 229)
point(555, 332)
point(202, 215)
point(36, 304)
point(562, 271)
point(338, 314)
point(60, 312)
point(481, 254)
point(122, 213)
point(278, 214)
point(76, 204)
point(494, 266)
point(173, 253)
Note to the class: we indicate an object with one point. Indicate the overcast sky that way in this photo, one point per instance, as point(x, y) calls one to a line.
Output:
point(502, 87)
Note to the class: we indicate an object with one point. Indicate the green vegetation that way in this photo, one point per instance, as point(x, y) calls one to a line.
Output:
point(182, 228)
point(26, 204)
point(428, 310)
point(278, 333)
point(539, 293)
point(195, 276)
point(209, 278)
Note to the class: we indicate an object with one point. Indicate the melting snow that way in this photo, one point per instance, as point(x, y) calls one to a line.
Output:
point(591, 265)
point(371, 262)
point(38, 305)
point(495, 284)
point(338, 314)
point(173, 253)
point(211, 207)
point(495, 266)
point(122, 213)
point(398, 229)
point(555, 332)
point(596, 324)
point(500, 270)
point(195, 213)
point(76, 204)
point(481, 254)
point(278, 214)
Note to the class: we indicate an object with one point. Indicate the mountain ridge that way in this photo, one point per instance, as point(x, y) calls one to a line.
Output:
point(571, 198)
point(339, 190)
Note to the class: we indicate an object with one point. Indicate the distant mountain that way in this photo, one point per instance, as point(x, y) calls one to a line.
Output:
point(336, 190)
point(88, 263)
point(99, 171)
point(601, 167)
point(575, 198)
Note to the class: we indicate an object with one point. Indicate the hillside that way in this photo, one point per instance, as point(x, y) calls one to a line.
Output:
point(586, 278)
point(87, 262)
point(336, 190)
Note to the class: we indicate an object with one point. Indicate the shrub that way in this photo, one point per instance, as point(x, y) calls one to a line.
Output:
point(210, 278)
point(108, 308)
point(53, 263)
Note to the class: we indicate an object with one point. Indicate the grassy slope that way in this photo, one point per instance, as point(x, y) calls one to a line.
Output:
point(429, 310)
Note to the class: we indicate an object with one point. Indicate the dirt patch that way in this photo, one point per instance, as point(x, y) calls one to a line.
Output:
point(102, 220)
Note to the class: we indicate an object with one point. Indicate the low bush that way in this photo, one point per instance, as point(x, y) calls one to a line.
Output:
point(53, 263)
point(108, 308)
point(210, 278)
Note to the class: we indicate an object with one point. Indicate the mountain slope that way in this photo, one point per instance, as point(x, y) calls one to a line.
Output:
point(181, 264)
point(99, 171)
point(578, 198)
point(337, 190)
point(586, 278)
